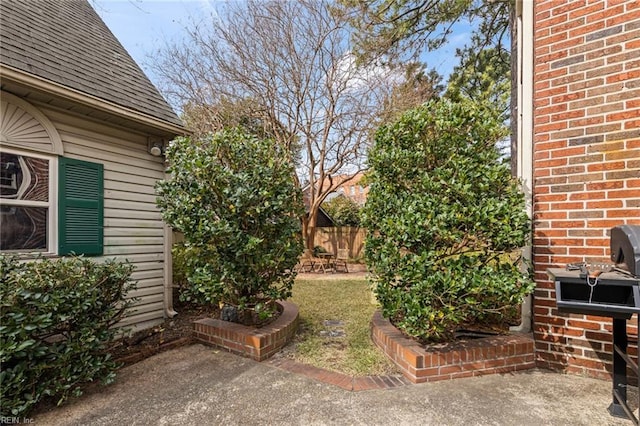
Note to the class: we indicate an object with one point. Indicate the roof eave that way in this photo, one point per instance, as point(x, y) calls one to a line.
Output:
point(12, 74)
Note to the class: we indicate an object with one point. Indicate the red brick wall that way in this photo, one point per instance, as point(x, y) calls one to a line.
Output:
point(586, 160)
point(473, 357)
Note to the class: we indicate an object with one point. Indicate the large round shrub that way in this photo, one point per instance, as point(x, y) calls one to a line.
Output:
point(234, 198)
point(445, 221)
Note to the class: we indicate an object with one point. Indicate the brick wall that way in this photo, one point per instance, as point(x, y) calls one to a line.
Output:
point(354, 188)
point(586, 160)
point(256, 343)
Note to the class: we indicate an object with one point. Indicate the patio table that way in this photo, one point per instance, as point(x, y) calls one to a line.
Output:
point(327, 261)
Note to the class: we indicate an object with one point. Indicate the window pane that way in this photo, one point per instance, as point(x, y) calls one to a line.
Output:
point(23, 228)
point(23, 177)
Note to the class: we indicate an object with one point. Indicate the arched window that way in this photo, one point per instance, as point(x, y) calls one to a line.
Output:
point(48, 203)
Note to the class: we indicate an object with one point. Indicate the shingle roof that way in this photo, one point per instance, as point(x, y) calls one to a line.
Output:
point(66, 42)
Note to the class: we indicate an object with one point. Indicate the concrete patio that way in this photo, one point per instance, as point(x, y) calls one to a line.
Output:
point(205, 386)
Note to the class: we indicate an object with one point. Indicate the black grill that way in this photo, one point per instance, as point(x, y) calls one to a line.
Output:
point(625, 248)
point(608, 290)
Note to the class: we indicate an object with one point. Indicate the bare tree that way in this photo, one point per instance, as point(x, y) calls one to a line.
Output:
point(289, 64)
point(417, 86)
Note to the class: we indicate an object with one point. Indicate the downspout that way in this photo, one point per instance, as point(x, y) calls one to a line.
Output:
point(168, 273)
point(167, 233)
point(169, 312)
point(525, 31)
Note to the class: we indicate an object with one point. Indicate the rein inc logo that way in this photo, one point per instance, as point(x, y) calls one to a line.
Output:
point(4, 420)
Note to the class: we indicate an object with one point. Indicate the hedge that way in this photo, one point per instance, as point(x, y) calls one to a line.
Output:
point(56, 320)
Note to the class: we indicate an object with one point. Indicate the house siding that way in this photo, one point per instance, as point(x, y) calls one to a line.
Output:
point(133, 228)
point(586, 162)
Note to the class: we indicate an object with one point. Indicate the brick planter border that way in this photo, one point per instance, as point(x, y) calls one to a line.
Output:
point(146, 353)
point(475, 357)
point(256, 343)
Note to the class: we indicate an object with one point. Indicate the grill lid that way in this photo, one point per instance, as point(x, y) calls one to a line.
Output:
point(625, 247)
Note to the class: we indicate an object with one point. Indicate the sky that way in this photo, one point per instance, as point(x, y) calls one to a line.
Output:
point(144, 26)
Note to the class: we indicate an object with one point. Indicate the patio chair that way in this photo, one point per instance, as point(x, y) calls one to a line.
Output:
point(341, 260)
point(307, 262)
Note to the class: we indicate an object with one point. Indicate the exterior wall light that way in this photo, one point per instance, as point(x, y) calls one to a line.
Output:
point(155, 147)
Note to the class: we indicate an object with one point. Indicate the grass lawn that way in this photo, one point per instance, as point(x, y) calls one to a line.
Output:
point(334, 328)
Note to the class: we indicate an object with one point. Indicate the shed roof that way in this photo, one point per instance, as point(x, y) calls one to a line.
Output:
point(66, 42)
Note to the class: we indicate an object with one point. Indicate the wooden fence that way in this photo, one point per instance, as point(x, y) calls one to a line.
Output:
point(331, 239)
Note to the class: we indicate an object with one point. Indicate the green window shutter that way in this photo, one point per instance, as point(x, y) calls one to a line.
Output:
point(80, 207)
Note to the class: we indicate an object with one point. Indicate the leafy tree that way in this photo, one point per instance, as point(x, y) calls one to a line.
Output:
point(394, 27)
point(482, 77)
point(444, 219)
point(343, 210)
point(397, 28)
point(233, 197)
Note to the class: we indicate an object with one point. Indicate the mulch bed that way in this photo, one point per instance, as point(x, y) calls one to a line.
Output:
point(172, 333)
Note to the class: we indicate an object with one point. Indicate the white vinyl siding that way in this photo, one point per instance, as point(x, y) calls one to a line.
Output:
point(133, 228)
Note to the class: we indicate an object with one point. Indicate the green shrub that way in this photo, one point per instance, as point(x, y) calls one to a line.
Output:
point(318, 250)
point(445, 221)
point(179, 255)
point(57, 317)
point(343, 210)
point(234, 198)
